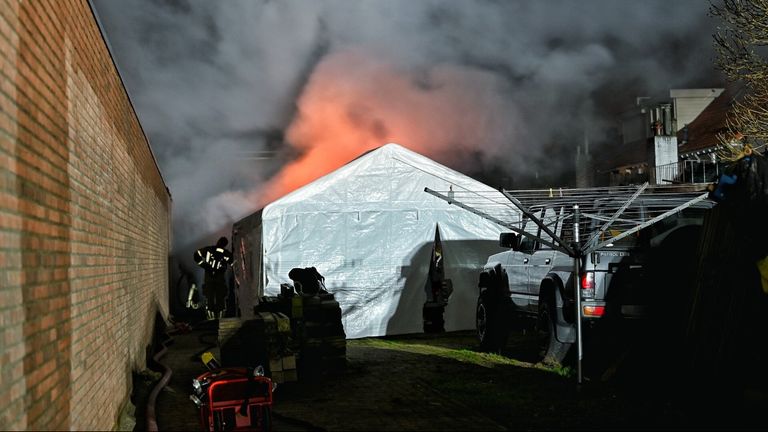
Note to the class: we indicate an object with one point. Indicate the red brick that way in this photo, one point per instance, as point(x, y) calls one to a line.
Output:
point(88, 209)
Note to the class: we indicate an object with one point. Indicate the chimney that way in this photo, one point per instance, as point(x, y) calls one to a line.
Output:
point(584, 169)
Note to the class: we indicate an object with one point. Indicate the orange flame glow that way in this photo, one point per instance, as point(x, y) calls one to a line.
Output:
point(354, 103)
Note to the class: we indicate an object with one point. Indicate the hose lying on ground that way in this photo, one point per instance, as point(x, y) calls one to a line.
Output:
point(168, 372)
point(151, 419)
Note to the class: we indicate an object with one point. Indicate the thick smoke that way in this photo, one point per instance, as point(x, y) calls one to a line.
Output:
point(246, 100)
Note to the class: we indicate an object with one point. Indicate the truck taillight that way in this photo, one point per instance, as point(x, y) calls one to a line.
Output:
point(593, 311)
point(588, 284)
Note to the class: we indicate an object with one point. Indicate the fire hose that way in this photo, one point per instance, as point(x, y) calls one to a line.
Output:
point(151, 419)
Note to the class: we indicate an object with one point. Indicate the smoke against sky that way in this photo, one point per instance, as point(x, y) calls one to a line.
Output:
point(245, 100)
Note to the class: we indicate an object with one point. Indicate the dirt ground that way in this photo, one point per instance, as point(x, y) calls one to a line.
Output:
point(441, 382)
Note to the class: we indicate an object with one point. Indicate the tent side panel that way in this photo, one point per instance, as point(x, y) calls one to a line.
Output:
point(376, 263)
point(248, 262)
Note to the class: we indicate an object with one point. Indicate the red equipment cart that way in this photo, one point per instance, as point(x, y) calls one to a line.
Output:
point(235, 399)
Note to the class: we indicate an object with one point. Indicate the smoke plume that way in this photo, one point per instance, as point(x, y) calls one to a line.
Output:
point(244, 101)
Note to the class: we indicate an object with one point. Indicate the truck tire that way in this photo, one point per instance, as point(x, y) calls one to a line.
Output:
point(551, 351)
point(491, 322)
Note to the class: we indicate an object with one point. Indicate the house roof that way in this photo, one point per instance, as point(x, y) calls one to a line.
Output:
point(621, 155)
point(617, 153)
point(699, 135)
point(702, 132)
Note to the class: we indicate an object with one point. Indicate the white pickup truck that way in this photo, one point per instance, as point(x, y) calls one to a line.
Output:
point(532, 284)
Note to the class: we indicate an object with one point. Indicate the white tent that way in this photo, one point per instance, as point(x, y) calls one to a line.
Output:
point(369, 227)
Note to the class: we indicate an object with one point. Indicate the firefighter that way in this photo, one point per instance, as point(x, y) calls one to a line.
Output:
point(214, 260)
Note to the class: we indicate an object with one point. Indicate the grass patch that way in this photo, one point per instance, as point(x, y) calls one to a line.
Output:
point(564, 371)
point(508, 390)
point(464, 355)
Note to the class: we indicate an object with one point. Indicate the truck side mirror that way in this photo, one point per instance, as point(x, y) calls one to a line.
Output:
point(509, 240)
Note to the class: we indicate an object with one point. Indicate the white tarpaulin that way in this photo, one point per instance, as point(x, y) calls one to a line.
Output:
point(368, 227)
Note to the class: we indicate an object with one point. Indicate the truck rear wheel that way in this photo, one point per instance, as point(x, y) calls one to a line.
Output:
point(551, 351)
point(492, 328)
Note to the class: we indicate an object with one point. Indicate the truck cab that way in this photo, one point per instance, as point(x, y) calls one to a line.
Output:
point(539, 280)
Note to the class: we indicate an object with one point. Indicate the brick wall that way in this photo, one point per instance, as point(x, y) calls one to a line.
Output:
point(84, 223)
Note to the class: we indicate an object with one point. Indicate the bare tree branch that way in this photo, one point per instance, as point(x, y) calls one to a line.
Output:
point(742, 45)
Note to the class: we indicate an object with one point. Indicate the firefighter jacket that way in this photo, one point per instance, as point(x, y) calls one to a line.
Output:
point(213, 259)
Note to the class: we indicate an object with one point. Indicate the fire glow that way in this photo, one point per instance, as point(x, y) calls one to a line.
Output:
point(353, 103)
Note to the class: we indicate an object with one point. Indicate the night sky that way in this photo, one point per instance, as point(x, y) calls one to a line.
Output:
point(243, 101)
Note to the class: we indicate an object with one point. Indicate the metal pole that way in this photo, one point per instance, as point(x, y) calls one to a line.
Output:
point(613, 218)
point(577, 288)
point(497, 221)
point(650, 222)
